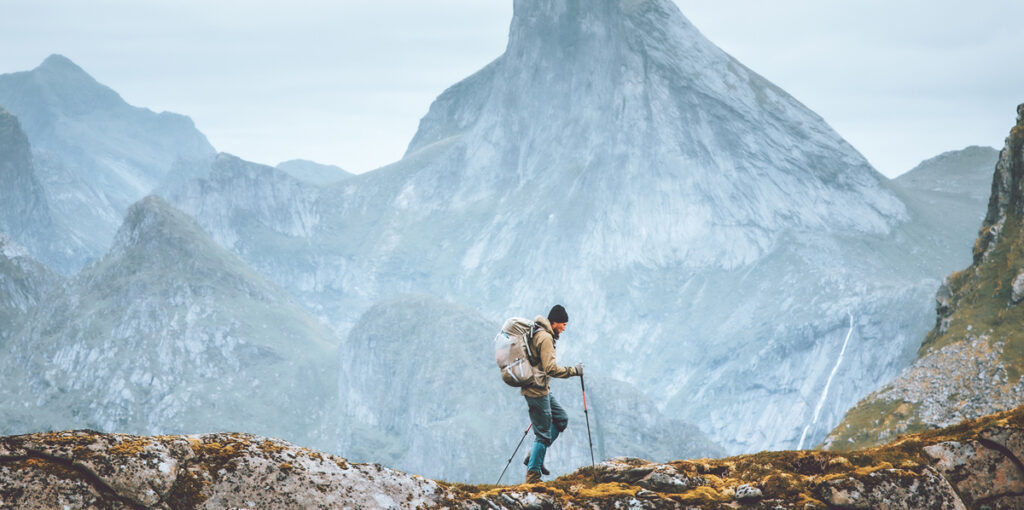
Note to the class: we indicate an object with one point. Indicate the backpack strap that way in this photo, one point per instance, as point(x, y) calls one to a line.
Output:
point(529, 340)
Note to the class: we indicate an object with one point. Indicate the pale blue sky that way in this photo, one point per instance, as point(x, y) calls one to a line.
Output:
point(346, 82)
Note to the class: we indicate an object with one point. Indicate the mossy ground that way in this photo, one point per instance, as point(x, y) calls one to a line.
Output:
point(793, 479)
point(875, 419)
point(790, 478)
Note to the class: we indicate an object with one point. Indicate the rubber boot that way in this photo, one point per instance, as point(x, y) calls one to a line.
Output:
point(536, 459)
point(544, 470)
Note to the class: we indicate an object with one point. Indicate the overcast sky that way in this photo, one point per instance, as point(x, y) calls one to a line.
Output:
point(345, 82)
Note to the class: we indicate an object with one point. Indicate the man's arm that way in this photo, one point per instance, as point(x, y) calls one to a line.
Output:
point(547, 358)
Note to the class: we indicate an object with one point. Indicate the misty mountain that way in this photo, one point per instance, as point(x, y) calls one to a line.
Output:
point(94, 153)
point(25, 213)
point(24, 284)
point(972, 362)
point(966, 172)
point(727, 259)
point(717, 244)
point(947, 196)
point(168, 332)
point(444, 411)
point(312, 172)
point(23, 206)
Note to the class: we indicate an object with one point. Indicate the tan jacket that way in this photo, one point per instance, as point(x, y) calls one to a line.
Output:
point(544, 343)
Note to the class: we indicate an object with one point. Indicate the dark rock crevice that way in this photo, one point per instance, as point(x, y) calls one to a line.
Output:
point(954, 488)
point(1006, 452)
point(992, 445)
point(106, 492)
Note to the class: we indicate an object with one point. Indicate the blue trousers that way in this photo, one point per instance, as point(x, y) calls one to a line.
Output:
point(549, 420)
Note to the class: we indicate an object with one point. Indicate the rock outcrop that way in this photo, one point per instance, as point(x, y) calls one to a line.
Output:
point(972, 362)
point(976, 464)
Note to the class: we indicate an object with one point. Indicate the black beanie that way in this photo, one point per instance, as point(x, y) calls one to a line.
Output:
point(557, 314)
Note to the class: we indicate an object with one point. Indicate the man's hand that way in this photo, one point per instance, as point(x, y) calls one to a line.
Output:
point(579, 369)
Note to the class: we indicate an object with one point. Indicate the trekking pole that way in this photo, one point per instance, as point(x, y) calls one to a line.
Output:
point(514, 453)
point(593, 465)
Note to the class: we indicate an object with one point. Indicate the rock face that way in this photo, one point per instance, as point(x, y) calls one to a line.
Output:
point(973, 465)
point(95, 154)
point(169, 333)
point(972, 362)
point(23, 206)
point(25, 211)
point(24, 284)
point(683, 207)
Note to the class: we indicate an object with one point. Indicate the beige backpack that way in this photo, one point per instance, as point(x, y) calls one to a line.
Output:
point(513, 354)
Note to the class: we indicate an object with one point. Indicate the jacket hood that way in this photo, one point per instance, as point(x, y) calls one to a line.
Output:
point(546, 324)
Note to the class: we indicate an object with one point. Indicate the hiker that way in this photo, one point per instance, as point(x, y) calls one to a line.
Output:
point(546, 415)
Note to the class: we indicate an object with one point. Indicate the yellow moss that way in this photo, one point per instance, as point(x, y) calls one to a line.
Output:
point(269, 447)
point(806, 502)
point(703, 494)
point(45, 466)
point(285, 466)
point(69, 437)
point(81, 452)
point(130, 447)
point(866, 470)
point(839, 463)
point(607, 490)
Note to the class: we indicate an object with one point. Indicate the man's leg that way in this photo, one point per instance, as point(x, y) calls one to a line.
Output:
point(540, 417)
point(559, 418)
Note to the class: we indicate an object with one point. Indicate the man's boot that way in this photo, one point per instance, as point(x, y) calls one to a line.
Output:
point(543, 469)
point(532, 477)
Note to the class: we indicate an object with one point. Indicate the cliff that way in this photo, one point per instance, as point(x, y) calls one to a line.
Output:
point(974, 464)
point(972, 362)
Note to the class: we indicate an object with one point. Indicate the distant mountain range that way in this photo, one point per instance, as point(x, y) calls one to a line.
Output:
point(94, 154)
point(717, 242)
point(736, 274)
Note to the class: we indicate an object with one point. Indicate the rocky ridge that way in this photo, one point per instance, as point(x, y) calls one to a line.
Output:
point(972, 362)
point(976, 464)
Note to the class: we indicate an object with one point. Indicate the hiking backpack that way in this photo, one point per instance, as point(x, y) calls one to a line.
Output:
point(513, 353)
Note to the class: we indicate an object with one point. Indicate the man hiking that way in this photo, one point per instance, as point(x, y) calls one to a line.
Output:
point(546, 415)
